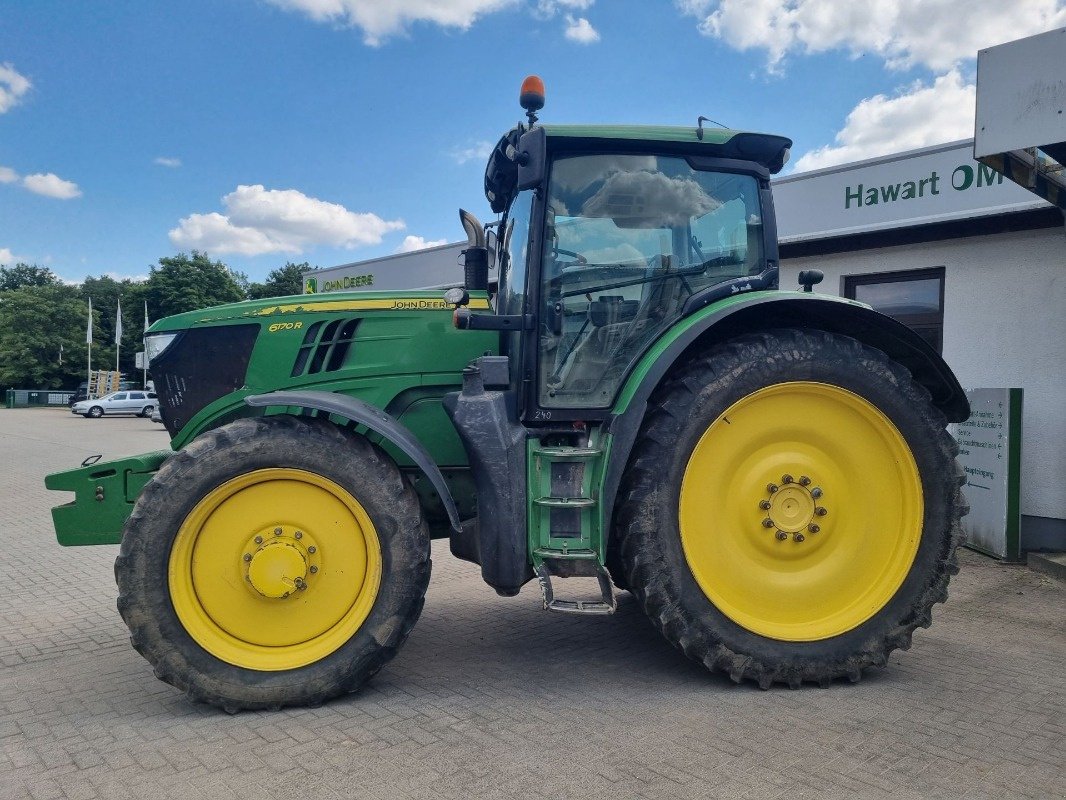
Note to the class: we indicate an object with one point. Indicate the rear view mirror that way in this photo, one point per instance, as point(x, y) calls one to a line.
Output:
point(532, 158)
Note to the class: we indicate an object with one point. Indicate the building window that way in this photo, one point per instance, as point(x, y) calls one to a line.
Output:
point(914, 297)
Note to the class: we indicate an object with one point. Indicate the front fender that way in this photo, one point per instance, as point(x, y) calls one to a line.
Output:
point(358, 411)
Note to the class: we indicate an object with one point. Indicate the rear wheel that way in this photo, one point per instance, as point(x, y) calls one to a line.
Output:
point(791, 508)
point(147, 411)
point(275, 561)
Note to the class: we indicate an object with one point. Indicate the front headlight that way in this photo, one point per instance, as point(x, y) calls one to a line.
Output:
point(156, 343)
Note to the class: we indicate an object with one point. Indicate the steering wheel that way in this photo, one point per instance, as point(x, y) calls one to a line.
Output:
point(578, 259)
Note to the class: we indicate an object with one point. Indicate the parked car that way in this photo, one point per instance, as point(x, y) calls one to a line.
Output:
point(82, 392)
point(141, 404)
point(156, 417)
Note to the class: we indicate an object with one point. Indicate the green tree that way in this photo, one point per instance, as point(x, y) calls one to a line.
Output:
point(26, 275)
point(281, 282)
point(105, 293)
point(38, 320)
point(187, 282)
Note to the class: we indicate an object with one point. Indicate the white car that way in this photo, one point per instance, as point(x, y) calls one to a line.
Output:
point(142, 404)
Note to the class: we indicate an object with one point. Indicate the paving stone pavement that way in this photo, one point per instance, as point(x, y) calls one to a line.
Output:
point(493, 698)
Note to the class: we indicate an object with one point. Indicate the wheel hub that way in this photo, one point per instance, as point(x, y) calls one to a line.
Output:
point(793, 508)
point(278, 562)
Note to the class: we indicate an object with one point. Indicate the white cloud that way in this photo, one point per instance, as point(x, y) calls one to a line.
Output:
point(922, 115)
point(8, 175)
point(412, 243)
point(12, 87)
point(164, 161)
point(51, 185)
point(9, 259)
point(546, 9)
point(580, 30)
point(905, 33)
point(478, 151)
point(380, 19)
point(259, 220)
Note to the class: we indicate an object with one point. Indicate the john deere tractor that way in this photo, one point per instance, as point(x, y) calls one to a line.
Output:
point(617, 391)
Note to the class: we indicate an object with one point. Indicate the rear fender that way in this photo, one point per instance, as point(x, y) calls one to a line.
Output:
point(362, 413)
point(757, 311)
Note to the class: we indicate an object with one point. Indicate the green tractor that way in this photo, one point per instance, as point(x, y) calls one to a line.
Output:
point(618, 391)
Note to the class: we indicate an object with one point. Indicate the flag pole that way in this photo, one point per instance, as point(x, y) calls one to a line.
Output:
point(144, 348)
point(89, 342)
point(118, 337)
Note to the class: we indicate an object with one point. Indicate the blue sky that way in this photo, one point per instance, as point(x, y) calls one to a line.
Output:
point(335, 130)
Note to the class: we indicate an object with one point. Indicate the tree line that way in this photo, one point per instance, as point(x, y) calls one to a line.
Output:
point(43, 320)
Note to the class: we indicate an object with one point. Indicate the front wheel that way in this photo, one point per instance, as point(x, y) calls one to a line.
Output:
point(275, 561)
point(95, 412)
point(791, 510)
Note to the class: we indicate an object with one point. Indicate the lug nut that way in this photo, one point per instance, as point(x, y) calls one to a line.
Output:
point(277, 531)
point(821, 512)
point(765, 505)
point(768, 523)
point(813, 528)
point(799, 537)
point(786, 479)
point(247, 556)
point(312, 549)
point(300, 583)
point(805, 481)
point(781, 535)
point(771, 487)
point(816, 492)
point(258, 539)
point(313, 569)
point(299, 534)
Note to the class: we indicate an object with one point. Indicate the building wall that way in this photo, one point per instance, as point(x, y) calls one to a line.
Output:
point(1004, 326)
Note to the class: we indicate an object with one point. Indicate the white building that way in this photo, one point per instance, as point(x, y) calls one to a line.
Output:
point(419, 269)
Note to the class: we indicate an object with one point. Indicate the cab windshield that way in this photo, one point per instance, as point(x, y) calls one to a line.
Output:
point(628, 239)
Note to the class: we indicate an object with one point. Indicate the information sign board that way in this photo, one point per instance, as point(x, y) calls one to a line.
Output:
point(990, 443)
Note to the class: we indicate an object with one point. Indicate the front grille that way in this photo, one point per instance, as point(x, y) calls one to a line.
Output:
point(202, 365)
point(325, 346)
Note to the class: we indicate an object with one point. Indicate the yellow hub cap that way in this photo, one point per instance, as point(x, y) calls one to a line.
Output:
point(801, 511)
point(275, 569)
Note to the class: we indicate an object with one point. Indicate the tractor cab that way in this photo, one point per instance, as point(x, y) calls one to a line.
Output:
point(609, 235)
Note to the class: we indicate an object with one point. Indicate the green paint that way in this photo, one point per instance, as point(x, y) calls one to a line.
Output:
point(586, 540)
point(104, 494)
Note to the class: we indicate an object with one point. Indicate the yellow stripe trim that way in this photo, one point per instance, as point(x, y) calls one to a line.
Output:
point(392, 304)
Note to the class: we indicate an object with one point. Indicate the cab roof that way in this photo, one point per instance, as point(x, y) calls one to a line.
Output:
point(768, 150)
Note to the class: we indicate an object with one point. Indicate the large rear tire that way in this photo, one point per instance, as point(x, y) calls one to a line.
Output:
point(791, 508)
point(275, 561)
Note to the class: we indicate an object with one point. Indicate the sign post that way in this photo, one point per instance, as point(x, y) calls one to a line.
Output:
point(990, 451)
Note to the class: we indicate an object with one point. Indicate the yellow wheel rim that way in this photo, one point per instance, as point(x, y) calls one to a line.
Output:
point(275, 569)
point(801, 511)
